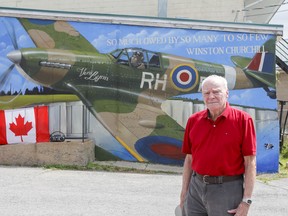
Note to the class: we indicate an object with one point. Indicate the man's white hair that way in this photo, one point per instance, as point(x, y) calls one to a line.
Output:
point(216, 78)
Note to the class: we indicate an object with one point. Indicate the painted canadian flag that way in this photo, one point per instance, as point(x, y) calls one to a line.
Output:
point(28, 125)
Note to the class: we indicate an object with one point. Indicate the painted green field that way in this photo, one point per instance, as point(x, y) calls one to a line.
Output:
point(14, 102)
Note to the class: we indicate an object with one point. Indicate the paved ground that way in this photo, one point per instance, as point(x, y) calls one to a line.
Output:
point(37, 192)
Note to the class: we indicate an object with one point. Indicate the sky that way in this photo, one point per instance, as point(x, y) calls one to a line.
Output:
point(281, 17)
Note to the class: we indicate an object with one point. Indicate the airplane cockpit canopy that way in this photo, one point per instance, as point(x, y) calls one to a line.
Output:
point(137, 58)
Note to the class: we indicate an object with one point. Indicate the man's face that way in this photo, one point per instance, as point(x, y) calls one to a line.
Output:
point(215, 96)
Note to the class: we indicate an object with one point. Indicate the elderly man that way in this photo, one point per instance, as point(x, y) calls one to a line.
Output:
point(220, 164)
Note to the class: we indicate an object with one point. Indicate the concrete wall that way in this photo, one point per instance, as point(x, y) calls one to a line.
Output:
point(64, 153)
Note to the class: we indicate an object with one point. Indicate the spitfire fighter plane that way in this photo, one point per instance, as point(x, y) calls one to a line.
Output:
point(126, 88)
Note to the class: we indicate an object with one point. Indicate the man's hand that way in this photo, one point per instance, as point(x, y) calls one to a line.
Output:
point(242, 210)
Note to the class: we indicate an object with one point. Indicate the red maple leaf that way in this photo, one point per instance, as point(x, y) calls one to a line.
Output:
point(20, 129)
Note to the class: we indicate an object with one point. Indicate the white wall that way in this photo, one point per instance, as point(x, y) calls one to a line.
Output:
point(220, 10)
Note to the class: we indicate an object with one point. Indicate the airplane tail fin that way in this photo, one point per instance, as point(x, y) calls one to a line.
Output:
point(262, 62)
point(261, 68)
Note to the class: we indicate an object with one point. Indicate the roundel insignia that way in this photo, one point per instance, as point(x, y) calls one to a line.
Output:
point(184, 77)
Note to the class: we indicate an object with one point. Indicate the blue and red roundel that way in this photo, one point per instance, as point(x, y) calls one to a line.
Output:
point(161, 149)
point(184, 77)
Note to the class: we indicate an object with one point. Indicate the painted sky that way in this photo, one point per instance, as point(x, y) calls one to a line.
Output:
point(197, 44)
point(17, 39)
point(208, 46)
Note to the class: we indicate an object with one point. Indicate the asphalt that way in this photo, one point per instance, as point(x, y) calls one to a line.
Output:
point(38, 191)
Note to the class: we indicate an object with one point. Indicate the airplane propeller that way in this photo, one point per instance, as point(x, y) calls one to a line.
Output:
point(5, 75)
point(3, 79)
point(11, 32)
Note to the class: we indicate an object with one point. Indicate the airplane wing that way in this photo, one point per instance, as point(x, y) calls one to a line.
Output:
point(147, 132)
point(51, 34)
point(266, 78)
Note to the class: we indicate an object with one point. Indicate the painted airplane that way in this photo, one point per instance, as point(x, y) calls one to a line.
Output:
point(125, 89)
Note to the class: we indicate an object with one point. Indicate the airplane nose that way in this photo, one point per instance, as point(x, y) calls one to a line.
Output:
point(15, 56)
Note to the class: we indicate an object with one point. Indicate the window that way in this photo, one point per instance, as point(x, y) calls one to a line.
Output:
point(123, 58)
point(154, 60)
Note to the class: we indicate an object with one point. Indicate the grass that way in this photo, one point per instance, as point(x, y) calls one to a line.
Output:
point(12, 102)
point(107, 168)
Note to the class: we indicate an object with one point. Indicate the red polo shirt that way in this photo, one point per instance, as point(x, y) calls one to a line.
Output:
point(218, 147)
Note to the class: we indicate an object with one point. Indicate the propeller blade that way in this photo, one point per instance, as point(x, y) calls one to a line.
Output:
point(5, 75)
point(11, 31)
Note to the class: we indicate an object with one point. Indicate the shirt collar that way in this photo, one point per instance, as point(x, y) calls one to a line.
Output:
point(224, 113)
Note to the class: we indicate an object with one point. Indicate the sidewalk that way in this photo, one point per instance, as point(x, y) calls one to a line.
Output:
point(269, 199)
point(27, 191)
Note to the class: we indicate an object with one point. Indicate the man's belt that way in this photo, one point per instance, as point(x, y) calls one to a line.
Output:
point(217, 179)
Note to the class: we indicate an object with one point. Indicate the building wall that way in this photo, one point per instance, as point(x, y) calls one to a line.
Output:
point(221, 10)
point(73, 125)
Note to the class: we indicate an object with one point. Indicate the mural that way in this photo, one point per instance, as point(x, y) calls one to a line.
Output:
point(126, 74)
